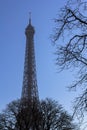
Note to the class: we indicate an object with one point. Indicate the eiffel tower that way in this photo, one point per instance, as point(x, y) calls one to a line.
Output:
point(28, 113)
point(30, 89)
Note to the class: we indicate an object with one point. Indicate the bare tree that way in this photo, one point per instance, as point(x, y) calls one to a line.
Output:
point(71, 33)
point(18, 117)
point(55, 117)
point(8, 117)
point(51, 116)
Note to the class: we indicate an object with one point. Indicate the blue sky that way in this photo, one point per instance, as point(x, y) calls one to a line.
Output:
point(14, 17)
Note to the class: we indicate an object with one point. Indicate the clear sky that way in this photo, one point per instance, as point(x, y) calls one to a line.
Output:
point(14, 17)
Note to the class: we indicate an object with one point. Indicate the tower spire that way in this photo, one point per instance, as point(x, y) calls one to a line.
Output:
point(30, 18)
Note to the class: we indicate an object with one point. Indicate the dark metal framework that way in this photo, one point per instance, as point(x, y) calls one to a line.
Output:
point(29, 111)
point(30, 89)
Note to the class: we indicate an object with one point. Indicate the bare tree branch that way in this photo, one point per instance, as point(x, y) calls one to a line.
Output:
point(71, 33)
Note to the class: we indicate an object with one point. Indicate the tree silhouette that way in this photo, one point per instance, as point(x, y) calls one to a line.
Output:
point(55, 117)
point(51, 116)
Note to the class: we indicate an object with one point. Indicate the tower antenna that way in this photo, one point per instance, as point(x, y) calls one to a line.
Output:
point(29, 17)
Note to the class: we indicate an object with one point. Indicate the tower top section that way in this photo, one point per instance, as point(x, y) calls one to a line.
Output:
point(29, 31)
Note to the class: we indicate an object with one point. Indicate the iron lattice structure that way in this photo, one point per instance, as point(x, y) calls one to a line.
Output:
point(30, 89)
point(28, 117)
